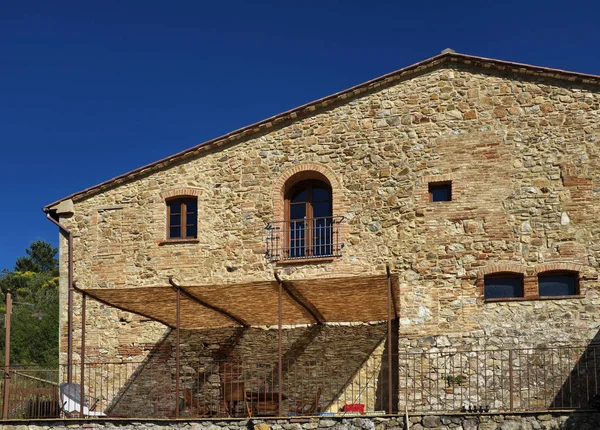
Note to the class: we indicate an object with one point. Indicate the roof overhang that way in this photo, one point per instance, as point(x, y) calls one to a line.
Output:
point(307, 301)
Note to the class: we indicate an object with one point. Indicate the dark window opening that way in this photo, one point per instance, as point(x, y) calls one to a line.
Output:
point(182, 218)
point(558, 284)
point(502, 286)
point(440, 191)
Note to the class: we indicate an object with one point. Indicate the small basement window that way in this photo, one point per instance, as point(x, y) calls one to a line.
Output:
point(440, 191)
point(503, 286)
point(558, 284)
point(182, 218)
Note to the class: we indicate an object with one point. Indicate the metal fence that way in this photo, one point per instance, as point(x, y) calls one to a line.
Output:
point(208, 388)
point(501, 380)
point(525, 379)
point(32, 392)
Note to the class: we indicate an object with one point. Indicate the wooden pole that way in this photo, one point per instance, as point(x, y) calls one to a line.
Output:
point(6, 393)
point(177, 352)
point(280, 348)
point(389, 337)
point(82, 377)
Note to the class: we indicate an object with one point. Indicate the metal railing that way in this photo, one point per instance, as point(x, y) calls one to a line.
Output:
point(528, 379)
point(208, 388)
point(517, 380)
point(304, 238)
point(33, 392)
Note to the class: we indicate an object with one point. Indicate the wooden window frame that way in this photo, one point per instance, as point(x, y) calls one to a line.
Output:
point(307, 184)
point(573, 273)
point(440, 184)
point(183, 225)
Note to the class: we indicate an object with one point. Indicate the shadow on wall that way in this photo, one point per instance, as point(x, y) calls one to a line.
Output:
point(581, 387)
point(582, 421)
point(323, 368)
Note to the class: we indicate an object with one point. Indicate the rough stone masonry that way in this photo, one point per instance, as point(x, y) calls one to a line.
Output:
point(576, 421)
point(520, 149)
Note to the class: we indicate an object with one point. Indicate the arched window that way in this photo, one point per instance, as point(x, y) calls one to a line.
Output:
point(308, 215)
point(182, 218)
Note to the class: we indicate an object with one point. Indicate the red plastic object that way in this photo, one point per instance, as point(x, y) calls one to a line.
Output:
point(354, 407)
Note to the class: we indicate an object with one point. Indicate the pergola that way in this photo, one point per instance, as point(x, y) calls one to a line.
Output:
point(306, 301)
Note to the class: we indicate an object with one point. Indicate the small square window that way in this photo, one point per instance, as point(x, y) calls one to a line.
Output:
point(440, 191)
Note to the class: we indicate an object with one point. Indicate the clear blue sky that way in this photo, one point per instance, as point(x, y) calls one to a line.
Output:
point(90, 90)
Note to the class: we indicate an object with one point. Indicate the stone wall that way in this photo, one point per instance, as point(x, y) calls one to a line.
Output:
point(574, 421)
point(521, 152)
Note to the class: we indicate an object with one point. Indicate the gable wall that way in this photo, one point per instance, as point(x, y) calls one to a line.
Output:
point(523, 158)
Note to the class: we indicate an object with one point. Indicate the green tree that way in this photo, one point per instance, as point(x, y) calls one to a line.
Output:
point(34, 321)
point(41, 257)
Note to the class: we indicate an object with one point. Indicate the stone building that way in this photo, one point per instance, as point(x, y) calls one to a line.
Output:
point(477, 182)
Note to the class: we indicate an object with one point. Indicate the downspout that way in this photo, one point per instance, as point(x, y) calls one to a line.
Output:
point(69, 297)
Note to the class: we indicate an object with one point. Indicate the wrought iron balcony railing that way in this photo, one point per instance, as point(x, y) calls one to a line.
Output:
point(304, 238)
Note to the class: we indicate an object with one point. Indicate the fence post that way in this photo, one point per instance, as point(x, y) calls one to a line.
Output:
point(280, 350)
point(510, 378)
point(177, 350)
point(389, 338)
point(82, 377)
point(6, 393)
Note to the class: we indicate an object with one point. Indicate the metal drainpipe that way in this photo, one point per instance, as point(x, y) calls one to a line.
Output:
point(69, 298)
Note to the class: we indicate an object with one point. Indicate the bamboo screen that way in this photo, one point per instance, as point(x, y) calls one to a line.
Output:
point(348, 299)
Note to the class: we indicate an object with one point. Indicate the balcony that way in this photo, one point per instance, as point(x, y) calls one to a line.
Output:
point(304, 238)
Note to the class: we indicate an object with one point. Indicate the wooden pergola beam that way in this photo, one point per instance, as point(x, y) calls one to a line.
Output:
point(217, 309)
point(104, 302)
point(295, 295)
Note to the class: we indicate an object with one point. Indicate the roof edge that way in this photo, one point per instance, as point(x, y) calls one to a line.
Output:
point(308, 108)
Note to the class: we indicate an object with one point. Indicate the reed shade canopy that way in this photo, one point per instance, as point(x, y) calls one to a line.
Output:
point(347, 299)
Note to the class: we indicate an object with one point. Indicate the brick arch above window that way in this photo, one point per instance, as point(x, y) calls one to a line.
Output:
point(502, 268)
point(302, 172)
point(531, 276)
point(559, 267)
point(180, 192)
